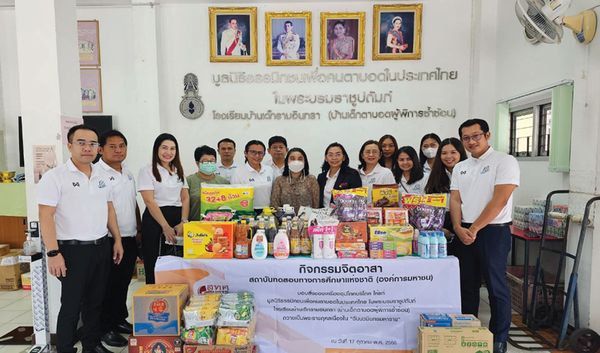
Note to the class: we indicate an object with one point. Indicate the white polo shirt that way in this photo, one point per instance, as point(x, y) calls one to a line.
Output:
point(475, 179)
point(81, 203)
point(277, 172)
point(167, 192)
point(379, 175)
point(262, 182)
point(124, 201)
point(329, 184)
point(226, 172)
point(416, 188)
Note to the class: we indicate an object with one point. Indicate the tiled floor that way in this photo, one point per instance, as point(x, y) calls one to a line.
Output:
point(15, 310)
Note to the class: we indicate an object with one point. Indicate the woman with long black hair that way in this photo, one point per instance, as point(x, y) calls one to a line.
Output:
point(165, 192)
point(408, 172)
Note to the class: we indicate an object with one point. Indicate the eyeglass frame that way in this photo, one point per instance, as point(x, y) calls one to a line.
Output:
point(475, 137)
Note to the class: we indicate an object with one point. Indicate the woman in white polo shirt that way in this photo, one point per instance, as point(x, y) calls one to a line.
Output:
point(255, 174)
point(409, 172)
point(165, 192)
point(371, 172)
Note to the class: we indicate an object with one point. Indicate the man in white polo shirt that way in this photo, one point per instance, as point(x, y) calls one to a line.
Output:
point(113, 148)
point(255, 174)
point(226, 167)
point(278, 150)
point(76, 212)
point(480, 208)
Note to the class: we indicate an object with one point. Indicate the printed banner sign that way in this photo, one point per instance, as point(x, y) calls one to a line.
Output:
point(329, 306)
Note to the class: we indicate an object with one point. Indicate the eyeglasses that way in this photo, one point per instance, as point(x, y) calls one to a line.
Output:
point(83, 143)
point(475, 137)
point(256, 153)
point(371, 152)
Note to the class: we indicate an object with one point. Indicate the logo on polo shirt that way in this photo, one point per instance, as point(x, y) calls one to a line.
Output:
point(101, 184)
point(463, 172)
point(250, 180)
point(268, 178)
point(485, 169)
point(112, 178)
point(76, 184)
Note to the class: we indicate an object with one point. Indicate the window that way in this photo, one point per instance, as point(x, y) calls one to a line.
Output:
point(530, 130)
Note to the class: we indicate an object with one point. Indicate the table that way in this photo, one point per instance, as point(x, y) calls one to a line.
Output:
point(517, 233)
point(329, 306)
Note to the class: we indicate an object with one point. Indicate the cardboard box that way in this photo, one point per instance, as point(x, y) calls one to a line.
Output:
point(395, 216)
point(208, 240)
point(351, 232)
point(162, 344)
point(157, 309)
point(219, 349)
point(454, 340)
point(10, 277)
point(435, 320)
point(26, 281)
point(4, 249)
point(350, 246)
point(462, 320)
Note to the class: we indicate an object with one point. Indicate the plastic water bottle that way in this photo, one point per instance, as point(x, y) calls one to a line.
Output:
point(424, 245)
point(442, 245)
point(433, 245)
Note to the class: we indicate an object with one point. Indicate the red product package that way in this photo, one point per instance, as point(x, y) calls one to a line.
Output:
point(351, 232)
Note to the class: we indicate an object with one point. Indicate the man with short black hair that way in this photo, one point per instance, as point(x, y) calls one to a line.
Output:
point(481, 209)
point(226, 166)
point(278, 150)
point(113, 148)
point(76, 212)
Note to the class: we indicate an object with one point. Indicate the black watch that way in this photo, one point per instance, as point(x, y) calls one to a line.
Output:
point(52, 253)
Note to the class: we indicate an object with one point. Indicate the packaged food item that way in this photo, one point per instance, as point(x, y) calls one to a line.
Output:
point(351, 205)
point(218, 216)
point(374, 215)
point(208, 240)
point(200, 316)
point(351, 232)
point(157, 309)
point(234, 197)
point(385, 195)
point(154, 344)
point(238, 315)
point(434, 200)
point(396, 216)
point(199, 335)
point(426, 217)
point(243, 236)
point(435, 320)
point(383, 254)
point(237, 336)
point(350, 246)
point(353, 254)
point(401, 235)
point(464, 320)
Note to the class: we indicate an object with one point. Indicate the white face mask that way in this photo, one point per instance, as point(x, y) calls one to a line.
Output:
point(296, 166)
point(430, 152)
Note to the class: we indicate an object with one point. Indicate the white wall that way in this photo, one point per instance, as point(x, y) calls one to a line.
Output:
point(522, 67)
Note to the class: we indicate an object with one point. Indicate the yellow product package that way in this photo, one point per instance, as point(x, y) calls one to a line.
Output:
point(208, 240)
point(235, 197)
point(402, 235)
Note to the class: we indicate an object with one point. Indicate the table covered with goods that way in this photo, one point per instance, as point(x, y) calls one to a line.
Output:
point(353, 278)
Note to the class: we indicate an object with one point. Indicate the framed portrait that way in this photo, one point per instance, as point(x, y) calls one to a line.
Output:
point(397, 32)
point(91, 90)
point(88, 35)
point(342, 38)
point(232, 34)
point(288, 38)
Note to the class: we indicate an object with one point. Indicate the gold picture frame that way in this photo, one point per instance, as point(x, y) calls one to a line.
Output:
point(240, 44)
point(352, 25)
point(298, 41)
point(403, 43)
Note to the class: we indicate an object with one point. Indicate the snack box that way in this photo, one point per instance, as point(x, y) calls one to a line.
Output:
point(155, 344)
point(208, 240)
point(383, 254)
point(353, 254)
point(402, 235)
point(350, 246)
point(187, 348)
point(26, 281)
point(351, 232)
point(395, 216)
point(385, 195)
point(464, 320)
point(157, 309)
point(374, 215)
point(435, 320)
point(454, 340)
point(382, 245)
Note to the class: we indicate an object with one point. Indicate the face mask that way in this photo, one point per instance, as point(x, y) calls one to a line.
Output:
point(430, 152)
point(296, 166)
point(208, 168)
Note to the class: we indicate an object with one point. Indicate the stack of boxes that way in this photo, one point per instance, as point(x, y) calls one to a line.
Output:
point(521, 215)
point(351, 240)
point(453, 333)
point(11, 269)
point(531, 218)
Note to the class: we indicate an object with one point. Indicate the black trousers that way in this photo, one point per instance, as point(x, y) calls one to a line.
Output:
point(114, 309)
point(486, 258)
point(153, 240)
point(82, 292)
